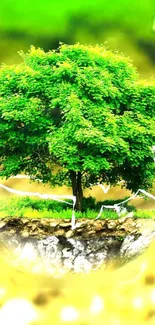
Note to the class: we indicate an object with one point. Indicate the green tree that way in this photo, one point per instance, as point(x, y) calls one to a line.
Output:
point(77, 116)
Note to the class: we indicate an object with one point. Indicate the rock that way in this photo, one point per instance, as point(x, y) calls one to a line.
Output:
point(79, 230)
point(60, 232)
point(112, 225)
point(13, 222)
point(138, 225)
point(87, 247)
point(98, 227)
point(12, 231)
point(85, 228)
point(89, 227)
point(130, 215)
point(53, 224)
point(69, 233)
point(82, 265)
point(43, 222)
point(35, 233)
point(122, 228)
point(34, 227)
point(91, 232)
point(122, 219)
point(82, 224)
point(60, 253)
point(65, 225)
point(79, 255)
point(35, 220)
point(2, 224)
point(24, 221)
point(133, 246)
point(24, 234)
point(91, 222)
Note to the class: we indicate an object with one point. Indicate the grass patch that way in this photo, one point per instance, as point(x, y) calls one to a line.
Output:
point(145, 214)
point(36, 208)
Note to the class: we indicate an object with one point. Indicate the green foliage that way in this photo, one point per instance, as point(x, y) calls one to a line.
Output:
point(130, 207)
point(90, 203)
point(41, 205)
point(82, 109)
point(126, 205)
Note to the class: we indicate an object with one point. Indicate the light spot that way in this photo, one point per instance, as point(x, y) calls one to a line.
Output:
point(138, 303)
point(153, 29)
point(116, 322)
point(97, 305)
point(18, 312)
point(28, 252)
point(2, 291)
point(143, 267)
point(69, 314)
point(153, 296)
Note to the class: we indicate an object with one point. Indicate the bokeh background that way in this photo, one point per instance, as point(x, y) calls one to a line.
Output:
point(124, 25)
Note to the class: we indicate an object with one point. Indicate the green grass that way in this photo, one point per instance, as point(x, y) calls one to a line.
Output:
point(64, 214)
point(146, 214)
point(34, 208)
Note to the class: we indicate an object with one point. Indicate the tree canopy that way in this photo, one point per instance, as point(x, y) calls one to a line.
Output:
point(77, 116)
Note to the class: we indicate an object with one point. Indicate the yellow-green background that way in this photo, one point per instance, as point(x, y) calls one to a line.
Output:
point(126, 25)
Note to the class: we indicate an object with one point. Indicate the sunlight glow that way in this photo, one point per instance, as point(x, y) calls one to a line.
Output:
point(97, 305)
point(18, 312)
point(138, 303)
point(69, 314)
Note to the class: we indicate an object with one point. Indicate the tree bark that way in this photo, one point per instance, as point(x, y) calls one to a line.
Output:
point(76, 179)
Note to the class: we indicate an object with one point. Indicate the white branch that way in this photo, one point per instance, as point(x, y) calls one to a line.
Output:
point(116, 207)
point(27, 177)
point(105, 189)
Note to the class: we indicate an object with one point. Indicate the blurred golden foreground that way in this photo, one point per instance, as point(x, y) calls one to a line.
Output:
point(110, 296)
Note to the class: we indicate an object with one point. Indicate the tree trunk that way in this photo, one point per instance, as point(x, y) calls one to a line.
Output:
point(76, 178)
